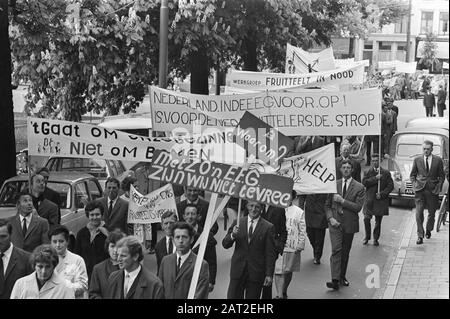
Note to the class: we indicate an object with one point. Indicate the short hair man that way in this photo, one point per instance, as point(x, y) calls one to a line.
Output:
point(49, 193)
point(13, 261)
point(133, 281)
point(345, 156)
point(165, 245)
point(177, 269)
point(342, 213)
point(45, 208)
point(29, 230)
point(253, 261)
point(427, 176)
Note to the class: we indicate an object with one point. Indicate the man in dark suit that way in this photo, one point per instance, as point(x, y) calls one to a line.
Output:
point(14, 262)
point(277, 217)
point(193, 197)
point(427, 176)
point(372, 141)
point(165, 246)
point(45, 208)
point(49, 193)
point(345, 156)
point(133, 281)
point(342, 213)
point(316, 222)
point(306, 143)
point(377, 202)
point(253, 261)
point(29, 230)
point(177, 269)
point(116, 208)
point(429, 102)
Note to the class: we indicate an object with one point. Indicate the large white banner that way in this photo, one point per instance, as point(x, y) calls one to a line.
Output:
point(301, 61)
point(313, 172)
point(292, 113)
point(148, 209)
point(262, 81)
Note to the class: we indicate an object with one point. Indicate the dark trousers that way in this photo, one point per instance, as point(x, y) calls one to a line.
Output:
point(441, 108)
point(266, 292)
point(422, 198)
point(341, 243)
point(316, 238)
point(243, 287)
point(429, 111)
point(376, 230)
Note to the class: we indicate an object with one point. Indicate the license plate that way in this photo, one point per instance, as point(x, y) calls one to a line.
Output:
point(409, 191)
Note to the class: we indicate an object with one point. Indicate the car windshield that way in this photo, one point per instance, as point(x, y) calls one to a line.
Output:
point(406, 150)
point(95, 167)
point(11, 189)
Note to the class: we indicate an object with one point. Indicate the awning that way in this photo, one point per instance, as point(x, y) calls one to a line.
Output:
point(441, 50)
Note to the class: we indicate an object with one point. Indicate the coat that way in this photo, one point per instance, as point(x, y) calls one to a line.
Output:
point(277, 217)
point(347, 212)
point(98, 284)
point(92, 252)
point(356, 169)
point(372, 205)
point(37, 232)
point(50, 211)
point(118, 217)
point(161, 251)
point(176, 286)
point(257, 257)
point(429, 100)
point(18, 267)
point(202, 210)
point(145, 286)
point(433, 180)
point(314, 207)
point(54, 288)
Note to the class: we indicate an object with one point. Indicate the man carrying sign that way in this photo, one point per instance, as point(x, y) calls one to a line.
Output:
point(253, 261)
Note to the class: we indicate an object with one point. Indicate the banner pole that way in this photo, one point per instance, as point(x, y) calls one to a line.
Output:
point(238, 217)
point(379, 162)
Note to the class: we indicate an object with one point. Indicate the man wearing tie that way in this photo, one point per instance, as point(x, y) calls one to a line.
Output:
point(133, 281)
point(342, 213)
point(115, 208)
point(253, 261)
point(165, 245)
point(427, 176)
point(345, 156)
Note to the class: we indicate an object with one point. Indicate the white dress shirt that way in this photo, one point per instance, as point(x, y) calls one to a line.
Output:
point(131, 278)
point(7, 257)
point(114, 202)
point(429, 161)
point(183, 257)
point(255, 222)
point(28, 219)
point(348, 184)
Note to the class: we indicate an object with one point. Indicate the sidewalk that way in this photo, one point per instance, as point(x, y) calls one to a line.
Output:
point(420, 271)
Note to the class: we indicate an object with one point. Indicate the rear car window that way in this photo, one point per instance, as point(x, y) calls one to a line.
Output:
point(413, 150)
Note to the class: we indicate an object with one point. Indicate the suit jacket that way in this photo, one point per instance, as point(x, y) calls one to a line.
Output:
point(305, 143)
point(177, 286)
point(52, 196)
point(277, 217)
point(428, 100)
point(119, 215)
point(202, 210)
point(432, 180)
point(37, 233)
point(314, 207)
point(347, 212)
point(50, 211)
point(98, 285)
point(257, 257)
point(372, 205)
point(145, 286)
point(442, 95)
point(210, 254)
point(18, 267)
point(356, 169)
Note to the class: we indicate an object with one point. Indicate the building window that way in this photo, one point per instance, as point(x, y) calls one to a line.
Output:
point(401, 26)
point(368, 46)
point(427, 23)
point(385, 46)
point(401, 46)
point(443, 23)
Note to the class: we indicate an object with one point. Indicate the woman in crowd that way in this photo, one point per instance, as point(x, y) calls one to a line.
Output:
point(71, 267)
point(90, 243)
point(289, 262)
point(44, 282)
point(98, 284)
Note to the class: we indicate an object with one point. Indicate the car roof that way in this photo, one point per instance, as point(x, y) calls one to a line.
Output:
point(421, 131)
point(128, 121)
point(67, 177)
point(427, 122)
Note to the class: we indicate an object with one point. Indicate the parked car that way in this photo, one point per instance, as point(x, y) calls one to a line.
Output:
point(99, 168)
point(404, 147)
point(75, 189)
point(428, 122)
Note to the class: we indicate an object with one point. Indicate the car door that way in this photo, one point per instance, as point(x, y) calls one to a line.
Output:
point(77, 218)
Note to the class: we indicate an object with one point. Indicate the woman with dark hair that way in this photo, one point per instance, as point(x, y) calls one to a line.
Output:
point(90, 242)
point(44, 282)
point(126, 185)
point(98, 284)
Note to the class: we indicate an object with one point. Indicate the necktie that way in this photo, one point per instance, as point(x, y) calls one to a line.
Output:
point(24, 227)
point(344, 190)
point(250, 231)
point(2, 276)
point(178, 265)
point(428, 165)
point(170, 249)
point(125, 285)
point(110, 208)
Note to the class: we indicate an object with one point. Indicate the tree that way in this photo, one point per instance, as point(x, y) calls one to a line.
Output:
point(7, 140)
point(428, 52)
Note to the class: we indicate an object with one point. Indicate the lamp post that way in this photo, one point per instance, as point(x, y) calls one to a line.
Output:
point(163, 43)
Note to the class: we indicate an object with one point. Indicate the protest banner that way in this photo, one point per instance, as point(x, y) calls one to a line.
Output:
point(313, 172)
point(222, 179)
point(147, 209)
point(257, 81)
point(292, 113)
point(301, 61)
point(72, 139)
